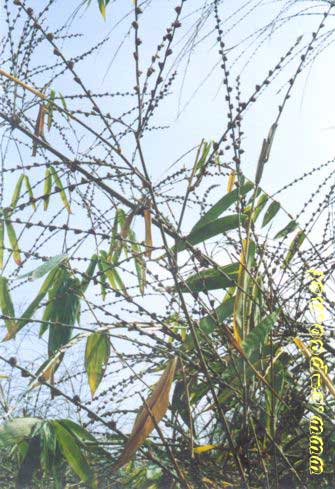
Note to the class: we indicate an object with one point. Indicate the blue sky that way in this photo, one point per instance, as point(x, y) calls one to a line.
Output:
point(302, 141)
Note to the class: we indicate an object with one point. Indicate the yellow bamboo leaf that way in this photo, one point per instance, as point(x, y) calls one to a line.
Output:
point(308, 354)
point(238, 297)
point(231, 181)
point(273, 361)
point(235, 324)
point(126, 225)
point(148, 232)
point(204, 448)
point(155, 406)
point(22, 84)
point(217, 484)
point(39, 127)
point(47, 370)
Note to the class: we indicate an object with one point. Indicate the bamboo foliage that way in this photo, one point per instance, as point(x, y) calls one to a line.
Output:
point(150, 414)
point(122, 262)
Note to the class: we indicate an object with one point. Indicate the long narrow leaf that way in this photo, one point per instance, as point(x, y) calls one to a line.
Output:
point(6, 304)
point(72, 452)
point(45, 268)
point(28, 313)
point(271, 212)
point(2, 239)
point(148, 232)
point(223, 204)
point(47, 188)
point(158, 404)
point(289, 228)
point(96, 357)
point(17, 192)
point(30, 191)
point(50, 108)
point(88, 275)
point(60, 187)
point(214, 278)
point(294, 246)
point(211, 229)
point(13, 241)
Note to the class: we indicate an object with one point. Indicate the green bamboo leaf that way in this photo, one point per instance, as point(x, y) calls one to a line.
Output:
point(220, 314)
point(44, 326)
point(210, 229)
point(261, 163)
point(96, 357)
point(112, 274)
point(247, 258)
point(122, 223)
point(88, 275)
point(214, 278)
point(51, 108)
point(13, 241)
point(78, 431)
point(255, 341)
point(294, 246)
point(261, 203)
point(179, 404)
point(28, 313)
point(265, 153)
point(64, 313)
point(271, 212)
point(277, 377)
point(6, 304)
point(52, 293)
point(257, 300)
point(17, 430)
point(223, 204)
point(47, 188)
point(17, 192)
point(107, 269)
point(119, 282)
point(49, 453)
point(72, 452)
point(139, 261)
point(30, 191)
point(102, 277)
point(30, 462)
point(45, 268)
point(62, 99)
point(60, 187)
point(203, 158)
point(115, 243)
point(2, 237)
point(208, 324)
point(102, 7)
point(85, 439)
point(289, 228)
point(141, 273)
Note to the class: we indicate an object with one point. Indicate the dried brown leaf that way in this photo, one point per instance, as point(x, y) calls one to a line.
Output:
point(148, 232)
point(39, 127)
point(156, 405)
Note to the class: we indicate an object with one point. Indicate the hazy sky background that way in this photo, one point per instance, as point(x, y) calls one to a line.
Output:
point(197, 109)
point(303, 139)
